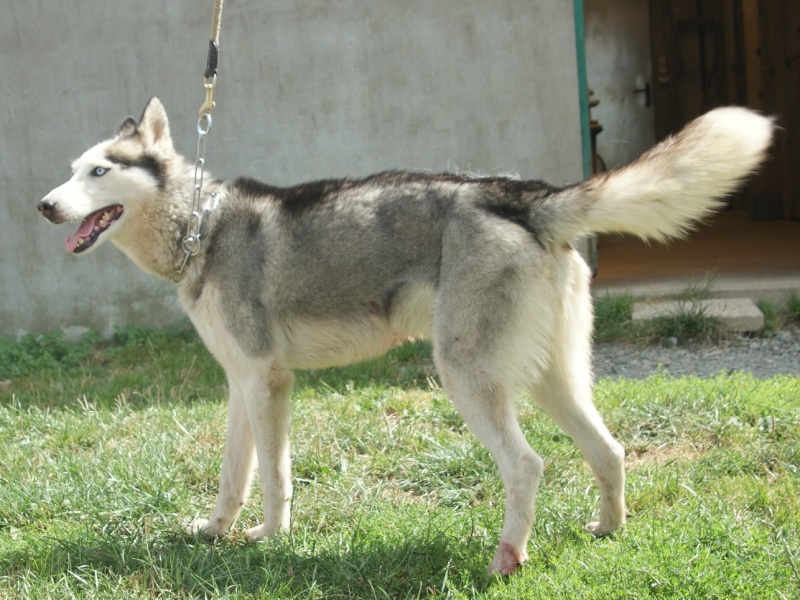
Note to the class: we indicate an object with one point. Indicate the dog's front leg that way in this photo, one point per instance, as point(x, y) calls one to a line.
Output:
point(269, 412)
point(237, 468)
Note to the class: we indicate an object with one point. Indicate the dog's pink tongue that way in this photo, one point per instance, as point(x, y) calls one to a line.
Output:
point(83, 231)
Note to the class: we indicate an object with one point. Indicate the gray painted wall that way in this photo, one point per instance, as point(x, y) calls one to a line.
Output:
point(306, 90)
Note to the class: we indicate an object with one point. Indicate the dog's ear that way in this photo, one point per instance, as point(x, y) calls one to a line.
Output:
point(128, 127)
point(154, 127)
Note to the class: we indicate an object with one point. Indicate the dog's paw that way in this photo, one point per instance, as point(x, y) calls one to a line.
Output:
point(205, 527)
point(259, 531)
point(599, 530)
point(507, 560)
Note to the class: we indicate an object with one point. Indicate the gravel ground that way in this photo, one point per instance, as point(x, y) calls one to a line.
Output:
point(761, 357)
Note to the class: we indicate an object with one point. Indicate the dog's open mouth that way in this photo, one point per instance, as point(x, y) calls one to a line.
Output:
point(91, 228)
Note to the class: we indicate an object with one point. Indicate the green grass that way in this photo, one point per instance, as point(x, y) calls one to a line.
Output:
point(107, 456)
point(772, 317)
point(793, 308)
point(696, 289)
point(612, 316)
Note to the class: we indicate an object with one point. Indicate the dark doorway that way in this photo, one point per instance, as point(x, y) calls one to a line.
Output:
point(709, 53)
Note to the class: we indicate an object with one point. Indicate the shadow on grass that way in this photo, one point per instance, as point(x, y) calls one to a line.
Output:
point(362, 566)
point(407, 366)
point(164, 367)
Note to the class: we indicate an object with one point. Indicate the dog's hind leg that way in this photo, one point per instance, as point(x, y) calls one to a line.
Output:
point(486, 334)
point(237, 468)
point(489, 412)
point(569, 402)
point(564, 391)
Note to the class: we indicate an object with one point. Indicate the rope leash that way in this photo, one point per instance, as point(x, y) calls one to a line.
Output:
point(190, 244)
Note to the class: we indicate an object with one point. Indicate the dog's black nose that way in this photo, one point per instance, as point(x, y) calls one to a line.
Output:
point(46, 208)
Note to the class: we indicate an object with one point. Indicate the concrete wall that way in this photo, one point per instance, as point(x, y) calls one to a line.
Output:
point(617, 61)
point(306, 90)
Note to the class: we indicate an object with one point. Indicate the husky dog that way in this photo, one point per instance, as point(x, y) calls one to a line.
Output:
point(336, 271)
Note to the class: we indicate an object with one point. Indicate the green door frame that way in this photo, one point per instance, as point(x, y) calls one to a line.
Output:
point(588, 246)
point(583, 88)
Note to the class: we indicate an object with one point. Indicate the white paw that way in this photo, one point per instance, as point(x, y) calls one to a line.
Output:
point(205, 527)
point(258, 532)
point(597, 530)
point(507, 560)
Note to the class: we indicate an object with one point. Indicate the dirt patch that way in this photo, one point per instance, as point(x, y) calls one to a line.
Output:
point(643, 456)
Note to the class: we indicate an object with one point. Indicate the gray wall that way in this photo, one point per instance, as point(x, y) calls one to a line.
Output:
point(306, 90)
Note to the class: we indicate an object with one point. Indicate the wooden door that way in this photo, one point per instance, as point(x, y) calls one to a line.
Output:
point(695, 64)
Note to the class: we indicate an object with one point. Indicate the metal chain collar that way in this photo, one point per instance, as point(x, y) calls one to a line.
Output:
point(190, 244)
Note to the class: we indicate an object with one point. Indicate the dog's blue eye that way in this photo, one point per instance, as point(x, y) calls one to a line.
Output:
point(99, 171)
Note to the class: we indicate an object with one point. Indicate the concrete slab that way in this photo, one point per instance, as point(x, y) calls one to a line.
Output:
point(738, 314)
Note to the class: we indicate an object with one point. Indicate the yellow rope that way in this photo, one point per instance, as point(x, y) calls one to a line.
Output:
point(217, 20)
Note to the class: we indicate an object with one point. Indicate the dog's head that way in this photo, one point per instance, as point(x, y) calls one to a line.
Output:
point(113, 179)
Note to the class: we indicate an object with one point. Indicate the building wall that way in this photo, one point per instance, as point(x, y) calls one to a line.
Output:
point(618, 60)
point(305, 90)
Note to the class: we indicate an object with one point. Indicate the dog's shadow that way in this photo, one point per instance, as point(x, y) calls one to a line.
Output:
point(365, 568)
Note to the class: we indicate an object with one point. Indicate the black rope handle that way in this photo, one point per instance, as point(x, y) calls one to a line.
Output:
point(211, 61)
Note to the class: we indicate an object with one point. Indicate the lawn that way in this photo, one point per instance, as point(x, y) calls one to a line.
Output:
point(108, 449)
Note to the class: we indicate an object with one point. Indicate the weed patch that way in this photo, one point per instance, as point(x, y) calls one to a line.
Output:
point(691, 323)
point(772, 317)
point(34, 353)
point(612, 317)
point(793, 308)
point(696, 290)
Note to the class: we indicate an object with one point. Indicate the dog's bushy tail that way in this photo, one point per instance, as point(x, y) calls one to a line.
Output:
point(665, 192)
